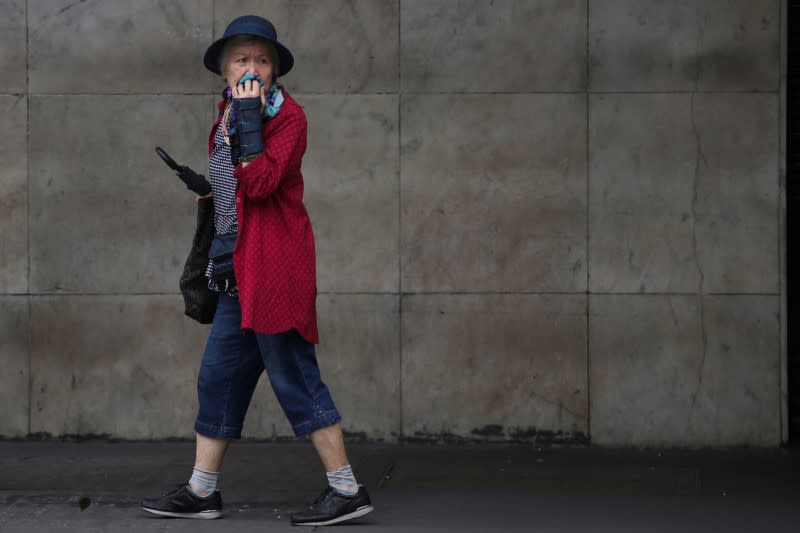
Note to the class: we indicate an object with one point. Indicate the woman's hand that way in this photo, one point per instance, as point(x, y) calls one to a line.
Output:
point(251, 89)
point(194, 181)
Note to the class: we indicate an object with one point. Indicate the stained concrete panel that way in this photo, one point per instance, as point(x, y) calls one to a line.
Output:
point(359, 357)
point(642, 162)
point(495, 366)
point(737, 195)
point(351, 176)
point(14, 195)
point(740, 44)
point(639, 45)
point(493, 193)
point(501, 46)
point(13, 46)
point(683, 193)
point(107, 215)
point(684, 370)
point(122, 366)
point(100, 47)
point(714, 45)
point(14, 356)
point(738, 399)
point(339, 46)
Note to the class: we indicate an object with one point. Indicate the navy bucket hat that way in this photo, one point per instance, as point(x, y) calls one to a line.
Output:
point(248, 25)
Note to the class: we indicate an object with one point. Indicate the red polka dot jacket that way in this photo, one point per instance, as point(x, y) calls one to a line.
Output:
point(274, 259)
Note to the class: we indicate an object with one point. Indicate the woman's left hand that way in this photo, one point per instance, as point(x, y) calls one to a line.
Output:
point(251, 89)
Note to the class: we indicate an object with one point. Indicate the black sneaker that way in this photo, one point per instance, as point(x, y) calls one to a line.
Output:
point(333, 507)
point(183, 503)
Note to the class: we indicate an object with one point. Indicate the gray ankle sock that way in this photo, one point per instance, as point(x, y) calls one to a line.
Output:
point(203, 482)
point(343, 480)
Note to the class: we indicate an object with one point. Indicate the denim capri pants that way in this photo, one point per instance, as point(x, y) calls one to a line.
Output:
point(232, 364)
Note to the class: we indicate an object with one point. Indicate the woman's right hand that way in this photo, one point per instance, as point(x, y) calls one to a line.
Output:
point(194, 181)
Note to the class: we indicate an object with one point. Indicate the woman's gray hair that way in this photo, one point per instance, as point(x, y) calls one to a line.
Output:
point(239, 40)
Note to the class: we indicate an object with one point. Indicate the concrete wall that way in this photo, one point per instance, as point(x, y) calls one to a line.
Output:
point(545, 220)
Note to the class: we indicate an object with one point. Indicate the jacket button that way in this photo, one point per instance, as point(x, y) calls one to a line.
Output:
point(237, 199)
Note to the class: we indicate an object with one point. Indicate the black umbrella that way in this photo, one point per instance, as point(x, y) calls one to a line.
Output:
point(200, 302)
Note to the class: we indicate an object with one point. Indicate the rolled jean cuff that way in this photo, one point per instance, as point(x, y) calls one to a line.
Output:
point(215, 431)
point(322, 420)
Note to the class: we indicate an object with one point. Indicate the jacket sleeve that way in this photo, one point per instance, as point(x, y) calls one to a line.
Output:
point(283, 147)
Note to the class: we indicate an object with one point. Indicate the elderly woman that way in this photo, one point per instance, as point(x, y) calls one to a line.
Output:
point(265, 317)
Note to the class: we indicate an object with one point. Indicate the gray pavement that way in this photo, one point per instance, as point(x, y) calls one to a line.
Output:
point(462, 487)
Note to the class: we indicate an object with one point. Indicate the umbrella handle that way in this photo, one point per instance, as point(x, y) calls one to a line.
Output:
point(167, 159)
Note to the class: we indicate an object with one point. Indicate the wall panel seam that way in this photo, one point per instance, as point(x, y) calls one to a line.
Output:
point(415, 293)
point(783, 396)
point(400, 353)
point(588, 229)
point(28, 202)
point(414, 93)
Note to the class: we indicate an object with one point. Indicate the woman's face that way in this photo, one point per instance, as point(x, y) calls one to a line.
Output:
point(248, 58)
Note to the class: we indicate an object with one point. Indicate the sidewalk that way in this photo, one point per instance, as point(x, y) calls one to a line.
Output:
point(414, 488)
